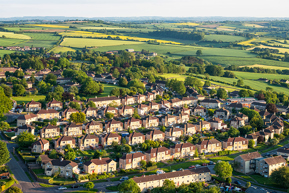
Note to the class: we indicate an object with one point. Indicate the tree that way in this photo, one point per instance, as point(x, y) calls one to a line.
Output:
point(243, 93)
point(109, 115)
point(90, 87)
point(18, 89)
point(213, 92)
point(63, 63)
point(122, 82)
point(151, 78)
point(70, 155)
point(222, 93)
point(233, 132)
point(13, 189)
point(248, 184)
point(4, 153)
point(53, 154)
point(274, 141)
point(143, 163)
point(135, 114)
point(169, 186)
point(196, 153)
point(4, 126)
point(77, 117)
point(251, 143)
point(240, 82)
point(51, 78)
point(229, 180)
point(115, 73)
point(98, 153)
point(199, 53)
point(257, 122)
point(180, 88)
point(7, 90)
point(127, 148)
point(223, 169)
point(115, 92)
point(75, 105)
point(163, 128)
point(73, 89)
point(91, 104)
point(25, 139)
point(89, 185)
point(281, 177)
point(129, 186)
point(271, 108)
point(207, 83)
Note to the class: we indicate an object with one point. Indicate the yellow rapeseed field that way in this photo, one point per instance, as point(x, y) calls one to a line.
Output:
point(188, 23)
point(49, 25)
point(247, 42)
point(101, 35)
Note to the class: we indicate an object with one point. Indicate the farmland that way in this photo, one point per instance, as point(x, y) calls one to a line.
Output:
point(268, 67)
point(225, 38)
point(61, 49)
point(10, 42)
point(3, 52)
point(13, 35)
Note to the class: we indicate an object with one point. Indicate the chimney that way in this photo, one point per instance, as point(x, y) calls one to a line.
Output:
point(99, 158)
point(246, 136)
point(61, 159)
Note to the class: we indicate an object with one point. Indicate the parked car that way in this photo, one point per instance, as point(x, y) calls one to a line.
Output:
point(74, 186)
point(4, 177)
point(198, 165)
point(180, 169)
point(191, 167)
point(160, 172)
point(124, 178)
point(212, 163)
point(62, 188)
point(204, 164)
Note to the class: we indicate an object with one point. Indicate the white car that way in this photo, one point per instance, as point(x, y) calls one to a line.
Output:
point(198, 165)
point(62, 188)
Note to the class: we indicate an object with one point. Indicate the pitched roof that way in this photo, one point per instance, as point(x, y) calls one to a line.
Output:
point(155, 151)
point(43, 111)
point(133, 155)
point(65, 138)
point(100, 161)
point(249, 156)
point(57, 162)
point(179, 147)
point(40, 142)
point(110, 98)
point(28, 116)
point(275, 160)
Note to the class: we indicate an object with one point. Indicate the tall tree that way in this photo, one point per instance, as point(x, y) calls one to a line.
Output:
point(223, 169)
point(25, 139)
point(5, 103)
point(281, 177)
point(4, 153)
point(128, 186)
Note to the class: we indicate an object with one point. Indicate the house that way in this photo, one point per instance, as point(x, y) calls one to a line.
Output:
point(176, 102)
point(130, 161)
point(155, 135)
point(262, 135)
point(54, 104)
point(235, 106)
point(99, 166)
point(236, 143)
point(47, 114)
point(126, 111)
point(93, 127)
point(132, 123)
point(199, 111)
point(222, 113)
point(99, 78)
point(203, 126)
point(88, 141)
point(190, 101)
point(62, 80)
point(90, 112)
point(209, 146)
point(237, 122)
point(128, 100)
point(65, 168)
point(210, 103)
point(189, 129)
point(179, 177)
point(40, 146)
point(135, 138)
point(183, 117)
point(168, 120)
point(217, 124)
point(243, 116)
point(259, 105)
point(263, 79)
point(183, 110)
point(266, 166)
point(142, 109)
point(246, 162)
point(158, 154)
point(139, 98)
point(67, 112)
point(113, 125)
point(32, 106)
point(183, 150)
point(24, 128)
point(112, 110)
point(149, 96)
point(150, 122)
point(174, 132)
point(284, 152)
point(63, 141)
point(49, 131)
point(165, 104)
point(26, 119)
point(153, 106)
point(105, 101)
point(108, 139)
point(72, 129)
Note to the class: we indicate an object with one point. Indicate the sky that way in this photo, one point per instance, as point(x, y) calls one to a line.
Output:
point(136, 8)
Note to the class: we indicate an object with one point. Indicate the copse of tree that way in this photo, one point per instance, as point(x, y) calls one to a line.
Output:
point(5, 103)
point(63, 63)
point(4, 153)
point(122, 81)
point(280, 176)
point(215, 70)
point(75, 105)
point(223, 169)
point(271, 108)
point(18, 89)
point(25, 139)
point(90, 87)
point(77, 117)
point(177, 86)
point(222, 93)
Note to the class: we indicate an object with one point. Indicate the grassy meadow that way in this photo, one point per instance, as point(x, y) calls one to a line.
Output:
point(26, 99)
point(59, 49)
point(3, 52)
point(224, 38)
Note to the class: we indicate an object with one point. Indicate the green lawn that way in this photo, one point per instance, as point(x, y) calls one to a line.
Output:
point(107, 89)
point(10, 134)
point(26, 99)
point(85, 191)
point(255, 76)
point(46, 185)
point(38, 43)
point(224, 38)
point(184, 165)
point(3, 52)
point(63, 181)
point(15, 36)
point(38, 171)
point(222, 158)
point(262, 180)
point(10, 42)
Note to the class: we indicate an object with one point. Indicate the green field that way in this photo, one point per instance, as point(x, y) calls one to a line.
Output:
point(10, 42)
point(82, 42)
point(13, 35)
point(255, 76)
point(3, 52)
point(107, 89)
point(43, 36)
point(268, 67)
point(224, 38)
point(26, 99)
point(38, 43)
point(62, 49)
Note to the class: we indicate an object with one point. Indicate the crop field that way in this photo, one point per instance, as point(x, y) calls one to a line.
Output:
point(241, 61)
point(281, 50)
point(188, 23)
point(82, 42)
point(49, 25)
point(101, 35)
point(248, 42)
point(255, 76)
point(253, 25)
point(13, 35)
point(62, 49)
point(3, 52)
point(224, 38)
point(10, 42)
point(99, 27)
point(21, 28)
point(38, 43)
point(43, 36)
point(268, 67)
